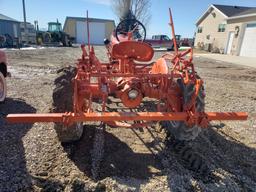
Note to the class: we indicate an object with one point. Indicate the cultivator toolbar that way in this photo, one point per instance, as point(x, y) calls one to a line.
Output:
point(130, 76)
point(70, 118)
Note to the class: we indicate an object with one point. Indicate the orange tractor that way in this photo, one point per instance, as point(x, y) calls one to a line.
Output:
point(130, 76)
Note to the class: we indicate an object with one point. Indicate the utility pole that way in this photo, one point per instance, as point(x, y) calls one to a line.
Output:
point(25, 22)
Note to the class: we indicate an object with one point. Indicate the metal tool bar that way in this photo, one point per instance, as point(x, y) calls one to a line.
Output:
point(122, 116)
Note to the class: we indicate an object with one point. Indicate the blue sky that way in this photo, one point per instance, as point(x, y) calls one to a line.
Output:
point(185, 12)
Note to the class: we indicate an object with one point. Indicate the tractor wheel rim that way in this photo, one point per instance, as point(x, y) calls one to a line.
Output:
point(1, 87)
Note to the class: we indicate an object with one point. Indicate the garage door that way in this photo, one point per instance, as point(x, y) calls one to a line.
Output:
point(97, 33)
point(248, 48)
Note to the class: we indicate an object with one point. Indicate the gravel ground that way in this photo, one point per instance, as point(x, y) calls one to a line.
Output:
point(32, 158)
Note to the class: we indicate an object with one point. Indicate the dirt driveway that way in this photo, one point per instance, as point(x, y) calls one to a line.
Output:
point(32, 158)
point(233, 59)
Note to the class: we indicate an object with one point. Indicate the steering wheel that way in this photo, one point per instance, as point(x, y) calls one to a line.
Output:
point(134, 26)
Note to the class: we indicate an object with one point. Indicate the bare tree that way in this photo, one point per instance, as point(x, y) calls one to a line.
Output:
point(139, 8)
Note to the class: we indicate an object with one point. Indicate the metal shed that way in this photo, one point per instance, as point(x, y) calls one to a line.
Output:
point(9, 26)
point(10, 33)
point(99, 29)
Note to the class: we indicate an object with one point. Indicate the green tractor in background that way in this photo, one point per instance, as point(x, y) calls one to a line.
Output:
point(54, 35)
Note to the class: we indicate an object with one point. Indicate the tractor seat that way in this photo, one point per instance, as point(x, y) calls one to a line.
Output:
point(136, 50)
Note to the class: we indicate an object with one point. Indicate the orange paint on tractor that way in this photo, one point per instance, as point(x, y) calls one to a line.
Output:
point(126, 78)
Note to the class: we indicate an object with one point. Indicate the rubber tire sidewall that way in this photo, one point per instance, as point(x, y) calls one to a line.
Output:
point(2, 98)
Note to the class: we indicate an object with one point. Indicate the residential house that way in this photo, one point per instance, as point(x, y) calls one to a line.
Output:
point(227, 29)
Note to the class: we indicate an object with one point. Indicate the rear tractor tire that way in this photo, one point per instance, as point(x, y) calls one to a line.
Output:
point(63, 102)
point(178, 129)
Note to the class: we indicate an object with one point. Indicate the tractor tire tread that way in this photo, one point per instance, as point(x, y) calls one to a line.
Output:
point(179, 129)
point(63, 102)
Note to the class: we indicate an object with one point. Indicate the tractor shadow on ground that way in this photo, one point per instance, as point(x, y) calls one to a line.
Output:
point(14, 175)
point(219, 152)
point(232, 155)
point(118, 160)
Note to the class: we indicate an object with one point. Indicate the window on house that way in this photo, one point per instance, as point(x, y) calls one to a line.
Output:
point(222, 28)
point(199, 29)
point(251, 25)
